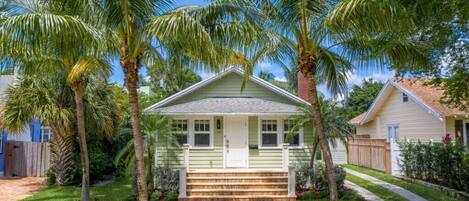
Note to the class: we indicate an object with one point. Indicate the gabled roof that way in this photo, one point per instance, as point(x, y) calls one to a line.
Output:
point(220, 75)
point(229, 106)
point(427, 97)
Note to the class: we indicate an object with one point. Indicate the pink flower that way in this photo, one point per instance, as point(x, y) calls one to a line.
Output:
point(446, 139)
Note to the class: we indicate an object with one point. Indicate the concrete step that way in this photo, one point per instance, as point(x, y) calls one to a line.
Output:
point(236, 174)
point(239, 198)
point(236, 179)
point(278, 185)
point(236, 192)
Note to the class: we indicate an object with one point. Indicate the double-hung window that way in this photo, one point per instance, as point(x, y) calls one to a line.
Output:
point(269, 136)
point(46, 134)
point(393, 132)
point(179, 129)
point(287, 127)
point(202, 129)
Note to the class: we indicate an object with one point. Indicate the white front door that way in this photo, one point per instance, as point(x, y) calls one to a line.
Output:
point(236, 142)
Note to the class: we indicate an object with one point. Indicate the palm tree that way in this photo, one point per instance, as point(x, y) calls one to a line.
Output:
point(336, 126)
point(329, 39)
point(143, 31)
point(53, 26)
point(154, 128)
point(50, 101)
point(80, 74)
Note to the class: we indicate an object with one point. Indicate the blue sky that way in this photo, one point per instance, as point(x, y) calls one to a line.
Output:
point(354, 78)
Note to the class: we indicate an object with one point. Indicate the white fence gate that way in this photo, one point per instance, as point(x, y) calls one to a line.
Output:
point(396, 158)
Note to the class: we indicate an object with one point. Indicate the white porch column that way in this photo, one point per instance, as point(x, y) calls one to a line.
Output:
point(182, 182)
point(185, 149)
point(291, 181)
point(285, 157)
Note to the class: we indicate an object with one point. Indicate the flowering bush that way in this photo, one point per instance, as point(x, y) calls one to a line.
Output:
point(444, 163)
point(446, 139)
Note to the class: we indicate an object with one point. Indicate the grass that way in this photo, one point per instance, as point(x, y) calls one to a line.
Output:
point(426, 192)
point(348, 195)
point(379, 191)
point(117, 190)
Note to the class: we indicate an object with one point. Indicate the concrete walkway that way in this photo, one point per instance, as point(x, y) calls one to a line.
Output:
point(366, 194)
point(396, 189)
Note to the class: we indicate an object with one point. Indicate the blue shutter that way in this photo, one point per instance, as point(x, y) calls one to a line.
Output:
point(36, 131)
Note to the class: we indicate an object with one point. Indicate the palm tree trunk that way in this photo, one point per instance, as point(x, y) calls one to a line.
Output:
point(85, 182)
point(308, 66)
point(313, 153)
point(131, 78)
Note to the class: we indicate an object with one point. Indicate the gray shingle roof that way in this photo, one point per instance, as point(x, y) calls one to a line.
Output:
point(228, 105)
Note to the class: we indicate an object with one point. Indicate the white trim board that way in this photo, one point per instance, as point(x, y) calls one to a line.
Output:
point(385, 92)
point(220, 75)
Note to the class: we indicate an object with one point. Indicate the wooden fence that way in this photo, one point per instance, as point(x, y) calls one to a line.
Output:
point(26, 159)
point(370, 153)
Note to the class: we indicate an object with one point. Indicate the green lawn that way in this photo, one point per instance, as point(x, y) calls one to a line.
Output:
point(348, 195)
point(379, 191)
point(118, 190)
point(424, 191)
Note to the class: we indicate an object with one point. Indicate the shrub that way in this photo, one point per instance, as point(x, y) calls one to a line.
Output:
point(155, 196)
point(171, 196)
point(445, 164)
point(167, 179)
point(318, 177)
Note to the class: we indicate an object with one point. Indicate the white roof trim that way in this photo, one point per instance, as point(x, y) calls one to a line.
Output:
point(232, 114)
point(203, 83)
point(382, 94)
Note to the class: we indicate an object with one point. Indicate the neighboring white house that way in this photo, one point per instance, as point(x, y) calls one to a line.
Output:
point(407, 108)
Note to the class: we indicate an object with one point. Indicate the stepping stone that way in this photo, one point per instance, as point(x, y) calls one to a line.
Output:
point(396, 189)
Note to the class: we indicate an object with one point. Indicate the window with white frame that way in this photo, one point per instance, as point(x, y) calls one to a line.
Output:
point(179, 130)
point(287, 127)
point(46, 134)
point(393, 132)
point(269, 134)
point(202, 130)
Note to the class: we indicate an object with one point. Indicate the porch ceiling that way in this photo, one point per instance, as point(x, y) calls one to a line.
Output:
point(228, 106)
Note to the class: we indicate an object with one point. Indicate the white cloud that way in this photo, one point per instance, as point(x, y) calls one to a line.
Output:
point(282, 79)
point(264, 65)
point(205, 75)
point(356, 79)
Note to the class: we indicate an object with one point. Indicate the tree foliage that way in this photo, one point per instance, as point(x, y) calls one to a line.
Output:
point(361, 97)
point(453, 77)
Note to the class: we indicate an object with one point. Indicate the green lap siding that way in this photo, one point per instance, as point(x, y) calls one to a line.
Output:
point(209, 158)
point(198, 158)
point(230, 86)
point(213, 158)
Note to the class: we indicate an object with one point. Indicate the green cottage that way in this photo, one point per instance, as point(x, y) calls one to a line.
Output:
point(235, 139)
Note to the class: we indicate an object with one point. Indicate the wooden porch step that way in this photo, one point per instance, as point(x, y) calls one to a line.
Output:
point(237, 192)
point(239, 198)
point(236, 174)
point(236, 179)
point(278, 185)
point(242, 185)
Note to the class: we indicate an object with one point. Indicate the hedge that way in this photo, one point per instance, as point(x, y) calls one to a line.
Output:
point(444, 164)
